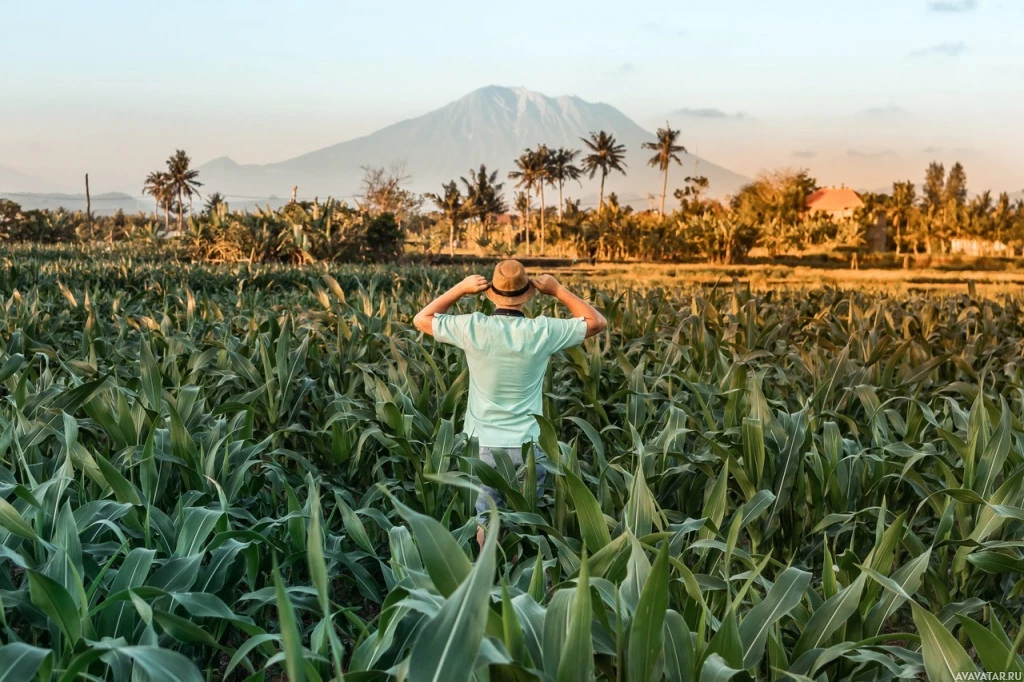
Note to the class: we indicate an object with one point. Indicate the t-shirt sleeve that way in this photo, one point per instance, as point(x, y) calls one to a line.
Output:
point(450, 329)
point(565, 333)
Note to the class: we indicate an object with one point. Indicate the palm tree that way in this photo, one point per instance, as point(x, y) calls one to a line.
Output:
point(529, 171)
point(521, 202)
point(214, 202)
point(484, 195)
point(453, 207)
point(903, 200)
point(183, 182)
point(666, 151)
point(562, 167)
point(606, 155)
point(158, 185)
point(543, 178)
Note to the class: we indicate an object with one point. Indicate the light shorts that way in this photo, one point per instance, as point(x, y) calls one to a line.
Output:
point(516, 455)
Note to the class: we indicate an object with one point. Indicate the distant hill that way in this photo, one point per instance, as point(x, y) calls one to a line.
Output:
point(102, 204)
point(491, 125)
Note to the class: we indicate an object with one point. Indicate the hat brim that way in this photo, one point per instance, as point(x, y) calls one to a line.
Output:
point(498, 299)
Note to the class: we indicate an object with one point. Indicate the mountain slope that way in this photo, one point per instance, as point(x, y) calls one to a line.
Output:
point(16, 181)
point(491, 125)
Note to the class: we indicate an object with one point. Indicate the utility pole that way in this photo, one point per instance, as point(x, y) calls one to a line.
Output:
point(88, 205)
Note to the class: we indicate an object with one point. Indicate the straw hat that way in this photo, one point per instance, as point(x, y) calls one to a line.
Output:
point(510, 284)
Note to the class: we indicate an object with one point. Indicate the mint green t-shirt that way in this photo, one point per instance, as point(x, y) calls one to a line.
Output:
point(507, 358)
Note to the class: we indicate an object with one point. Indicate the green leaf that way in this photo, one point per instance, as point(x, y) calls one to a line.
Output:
point(294, 655)
point(151, 378)
point(726, 642)
point(184, 630)
point(12, 521)
point(783, 597)
point(645, 635)
point(996, 562)
point(640, 509)
point(448, 646)
point(993, 652)
point(537, 583)
point(593, 526)
point(830, 616)
point(549, 440)
point(315, 548)
point(443, 558)
point(753, 448)
point(119, 619)
point(512, 631)
point(163, 665)
point(715, 669)
point(52, 599)
point(944, 658)
point(576, 663)
point(790, 463)
point(908, 579)
point(196, 527)
point(124, 491)
point(11, 365)
point(990, 465)
point(19, 661)
point(678, 648)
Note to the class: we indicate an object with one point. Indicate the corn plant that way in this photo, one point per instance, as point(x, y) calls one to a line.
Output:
point(255, 471)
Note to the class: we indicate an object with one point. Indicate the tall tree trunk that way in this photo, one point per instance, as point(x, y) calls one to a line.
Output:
point(527, 223)
point(542, 217)
point(181, 213)
point(898, 237)
point(451, 239)
point(664, 189)
point(561, 203)
point(600, 197)
point(88, 205)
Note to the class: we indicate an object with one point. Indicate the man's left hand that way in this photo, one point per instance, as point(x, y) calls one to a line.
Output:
point(474, 284)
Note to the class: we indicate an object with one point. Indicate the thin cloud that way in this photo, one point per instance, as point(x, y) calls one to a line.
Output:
point(804, 154)
point(626, 68)
point(710, 113)
point(858, 154)
point(941, 50)
point(952, 6)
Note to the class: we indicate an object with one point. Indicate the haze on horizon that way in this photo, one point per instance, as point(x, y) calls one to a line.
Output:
point(860, 97)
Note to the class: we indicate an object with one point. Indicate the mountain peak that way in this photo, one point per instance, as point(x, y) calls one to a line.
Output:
point(221, 162)
point(490, 125)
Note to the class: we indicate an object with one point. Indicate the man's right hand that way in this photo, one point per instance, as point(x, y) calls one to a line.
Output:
point(546, 284)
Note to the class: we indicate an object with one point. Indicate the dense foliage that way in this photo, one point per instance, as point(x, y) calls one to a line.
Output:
point(387, 220)
point(251, 469)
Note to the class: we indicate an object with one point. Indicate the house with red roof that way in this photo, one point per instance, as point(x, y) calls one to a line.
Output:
point(836, 202)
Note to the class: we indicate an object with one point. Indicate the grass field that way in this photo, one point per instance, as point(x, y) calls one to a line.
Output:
point(255, 473)
point(762, 277)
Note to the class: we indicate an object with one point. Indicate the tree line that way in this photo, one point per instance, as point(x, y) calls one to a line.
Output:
point(473, 214)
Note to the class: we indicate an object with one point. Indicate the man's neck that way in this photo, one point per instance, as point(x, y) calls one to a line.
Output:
point(509, 311)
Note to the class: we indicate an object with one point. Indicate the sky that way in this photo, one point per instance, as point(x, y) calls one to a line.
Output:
point(858, 93)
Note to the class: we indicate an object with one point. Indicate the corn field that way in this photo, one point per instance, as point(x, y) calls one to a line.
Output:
point(256, 473)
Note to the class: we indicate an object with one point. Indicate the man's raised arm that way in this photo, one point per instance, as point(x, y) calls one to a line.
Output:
point(424, 320)
point(546, 284)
